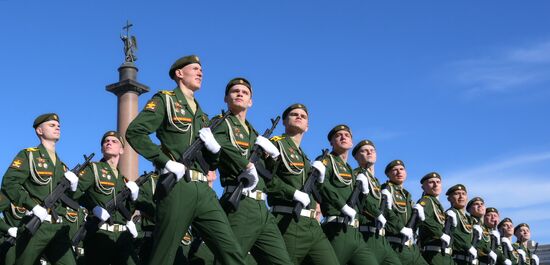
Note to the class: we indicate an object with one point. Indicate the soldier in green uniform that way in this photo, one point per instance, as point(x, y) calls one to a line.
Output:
point(476, 208)
point(396, 229)
point(365, 155)
point(338, 184)
point(506, 229)
point(252, 223)
point(491, 219)
point(304, 238)
point(463, 234)
point(431, 231)
point(178, 119)
point(31, 177)
point(9, 227)
point(99, 183)
point(523, 236)
point(75, 219)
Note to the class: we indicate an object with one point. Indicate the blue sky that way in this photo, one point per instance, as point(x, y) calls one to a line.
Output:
point(460, 88)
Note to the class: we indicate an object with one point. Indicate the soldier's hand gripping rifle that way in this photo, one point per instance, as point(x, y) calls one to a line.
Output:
point(383, 206)
point(118, 203)
point(309, 188)
point(411, 224)
point(352, 202)
point(476, 236)
point(58, 194)
point(235, 197)
point(190, 155)
point(494, 243)
point(447, 231)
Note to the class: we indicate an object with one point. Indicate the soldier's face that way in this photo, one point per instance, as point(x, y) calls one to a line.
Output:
point(296, 121)
point(191, 76)
point(432, 186)
point(238, 98)
point(477, 208)
point(458, 199)
point(366, 155)
point(398, 174)
point(50, 130)
point(507, 229)
point(341, 141)
point(523, 234)
point(491, 219)
point(111, 146)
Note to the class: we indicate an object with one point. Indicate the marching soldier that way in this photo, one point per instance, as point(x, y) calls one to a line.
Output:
point(338, 183)
point(99, 184)
point(372, 212)
point(491, 219)
point(303, 238)
point(523, 236)
point(397, 231)
point(506, 229)
point(253, 225)
point(178, 119)
point(476, 208)
point(464, 252)
point(431, 234)
point(31, 177)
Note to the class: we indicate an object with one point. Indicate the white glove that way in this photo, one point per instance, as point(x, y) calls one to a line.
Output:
point(390, 198)
point(176, 168)
point(507, 262)
point(535, 258)
point(209, 141)
point(407, 232)
point(420, 210)
point(12, 231)
point(252, 175)
point(349, 211)
point(40, 212)
point(479, 231)
point(268, 146)
point(132, 228)
point(446, 238)
point(101, 213)
point(496, 234)
point(134, 189)
point(452, 214)
point(73, 179)
point(321, 167)
point(364, 182)
point(382, 220)
point(522, 254)
point(493, 256)
point(506, 241)
point(302, 197)
point(473, 252)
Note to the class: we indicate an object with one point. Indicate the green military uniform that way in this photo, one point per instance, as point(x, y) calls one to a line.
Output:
point(305, 238)
point(176, 125)
point(12, 217)
point(514, 255)
point(348, 243)
point(75, 219)
point(399, 215)
point(30, 178)
point(508, 253)
point(523, 246)
point(431, 230)
point(112, 243)
point(464, 232)
point(253, 225)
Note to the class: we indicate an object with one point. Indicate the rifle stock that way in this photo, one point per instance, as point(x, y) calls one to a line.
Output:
point(410, 224)
point(446, 230)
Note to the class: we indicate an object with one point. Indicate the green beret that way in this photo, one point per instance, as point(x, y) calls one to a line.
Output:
point(475, 199)
point(501, 223)
point(455, 188)
point(44, 118)
point(491, 210)
point(238, 81)
point(293, 107)
point(359, 145)
point(181, 62)
point(429, 176)
point(115, 134)
point(520, 226)
point(336, 129)
point(393, 164)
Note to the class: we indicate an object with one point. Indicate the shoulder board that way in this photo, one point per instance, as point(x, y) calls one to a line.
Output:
point(167, 92)
point(277, 138)
point(31, 149)
point(424, 200)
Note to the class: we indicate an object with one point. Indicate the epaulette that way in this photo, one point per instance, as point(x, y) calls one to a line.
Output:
point(423, 200)
point(31, 149)
point(277, 138)
point(167, 92)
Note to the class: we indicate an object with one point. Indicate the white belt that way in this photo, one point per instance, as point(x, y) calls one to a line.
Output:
point(53, 221)
point(196, 176)
point(113, 228)
point(397, 240)
point(339, 219)
point(289, 210)
point(448, 251)
point(372, 229)
point(256, 195)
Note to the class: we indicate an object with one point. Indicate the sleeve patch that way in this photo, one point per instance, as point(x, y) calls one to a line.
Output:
point(151, 105)
point(16, 163)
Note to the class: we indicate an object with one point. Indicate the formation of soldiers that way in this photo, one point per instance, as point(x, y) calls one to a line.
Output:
point(271, 207)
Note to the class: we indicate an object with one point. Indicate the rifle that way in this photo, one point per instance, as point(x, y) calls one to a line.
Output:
point(352, 202)
point(535, 252)
point(115, 204)
point(235, 197)
point(193, 153)
point(469, 258)
point(447, 231)
point(383, 207)
point(58, 194)
point(309, 188)
point(493, 247)
point(410, 224)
